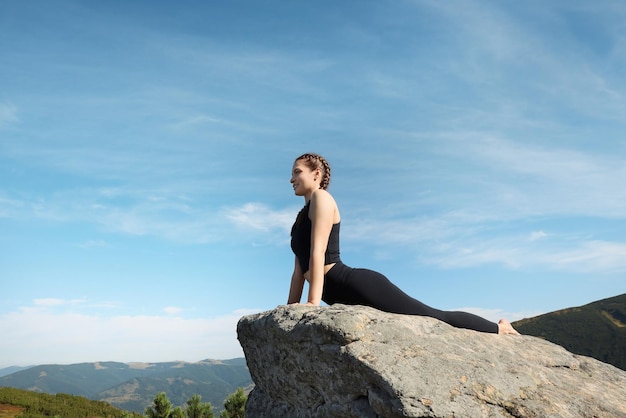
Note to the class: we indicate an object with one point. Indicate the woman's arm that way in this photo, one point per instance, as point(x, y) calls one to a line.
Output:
point(297, 284)
point(321, 214)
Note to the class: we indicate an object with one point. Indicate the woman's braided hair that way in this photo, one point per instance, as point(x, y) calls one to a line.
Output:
point(315, 161)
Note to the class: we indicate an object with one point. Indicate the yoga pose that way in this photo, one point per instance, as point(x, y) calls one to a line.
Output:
point(315, 242)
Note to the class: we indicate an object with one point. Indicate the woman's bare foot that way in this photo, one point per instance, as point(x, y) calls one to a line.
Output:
point(505, 327)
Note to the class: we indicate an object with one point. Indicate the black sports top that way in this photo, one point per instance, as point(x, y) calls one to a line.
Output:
point(301, 241)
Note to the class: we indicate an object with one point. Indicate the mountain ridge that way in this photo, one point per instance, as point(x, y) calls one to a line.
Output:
point(12, 369)
point(596, 329)
point(133, 386)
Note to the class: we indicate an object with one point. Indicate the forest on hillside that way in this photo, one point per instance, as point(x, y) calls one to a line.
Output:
point(20, 403)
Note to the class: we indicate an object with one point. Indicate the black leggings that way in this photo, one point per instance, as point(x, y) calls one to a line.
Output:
point(350, 286)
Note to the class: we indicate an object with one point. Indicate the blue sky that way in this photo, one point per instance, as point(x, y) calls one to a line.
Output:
point(478, 152)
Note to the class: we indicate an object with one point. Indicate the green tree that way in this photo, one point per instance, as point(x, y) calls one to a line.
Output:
point(177, 413)
point(162, 407)
point(235, 405)
point(198, 409)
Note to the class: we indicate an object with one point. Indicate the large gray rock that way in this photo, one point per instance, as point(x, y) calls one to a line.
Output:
point(353, 361)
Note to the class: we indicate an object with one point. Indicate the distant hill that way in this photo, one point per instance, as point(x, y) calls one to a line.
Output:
point(133, 386)
point(12, 369)
point(213, 381)
point(596, 330)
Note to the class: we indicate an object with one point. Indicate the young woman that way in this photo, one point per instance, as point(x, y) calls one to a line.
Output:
point(315, 242)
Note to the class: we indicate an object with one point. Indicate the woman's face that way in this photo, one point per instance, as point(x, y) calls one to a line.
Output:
point(303, 179)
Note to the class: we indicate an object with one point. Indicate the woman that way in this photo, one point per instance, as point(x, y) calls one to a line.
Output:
point(315, 242)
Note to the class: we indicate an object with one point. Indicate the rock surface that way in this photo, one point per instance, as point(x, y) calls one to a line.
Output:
point(354, 361)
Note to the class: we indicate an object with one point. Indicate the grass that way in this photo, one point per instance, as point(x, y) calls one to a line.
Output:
point(22, 403)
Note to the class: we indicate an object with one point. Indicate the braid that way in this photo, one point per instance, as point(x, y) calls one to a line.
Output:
point(315, 161)
point(326, 174)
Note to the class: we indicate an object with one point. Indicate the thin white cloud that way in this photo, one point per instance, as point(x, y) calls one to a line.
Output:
point(143, 220)
point(8, 114)
point(55, 302)
point(138, 212)
point(511, 68)
point(190, 122)
point(495, 315)
point(515, 179)
point(10, 207)
point(537, 235)
point(33, 335)
point(97, 243)
point(261, 217)
point(172, 310)
point(475, 253)
point(589, 257)
point(559, 254)
point(454, 241)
